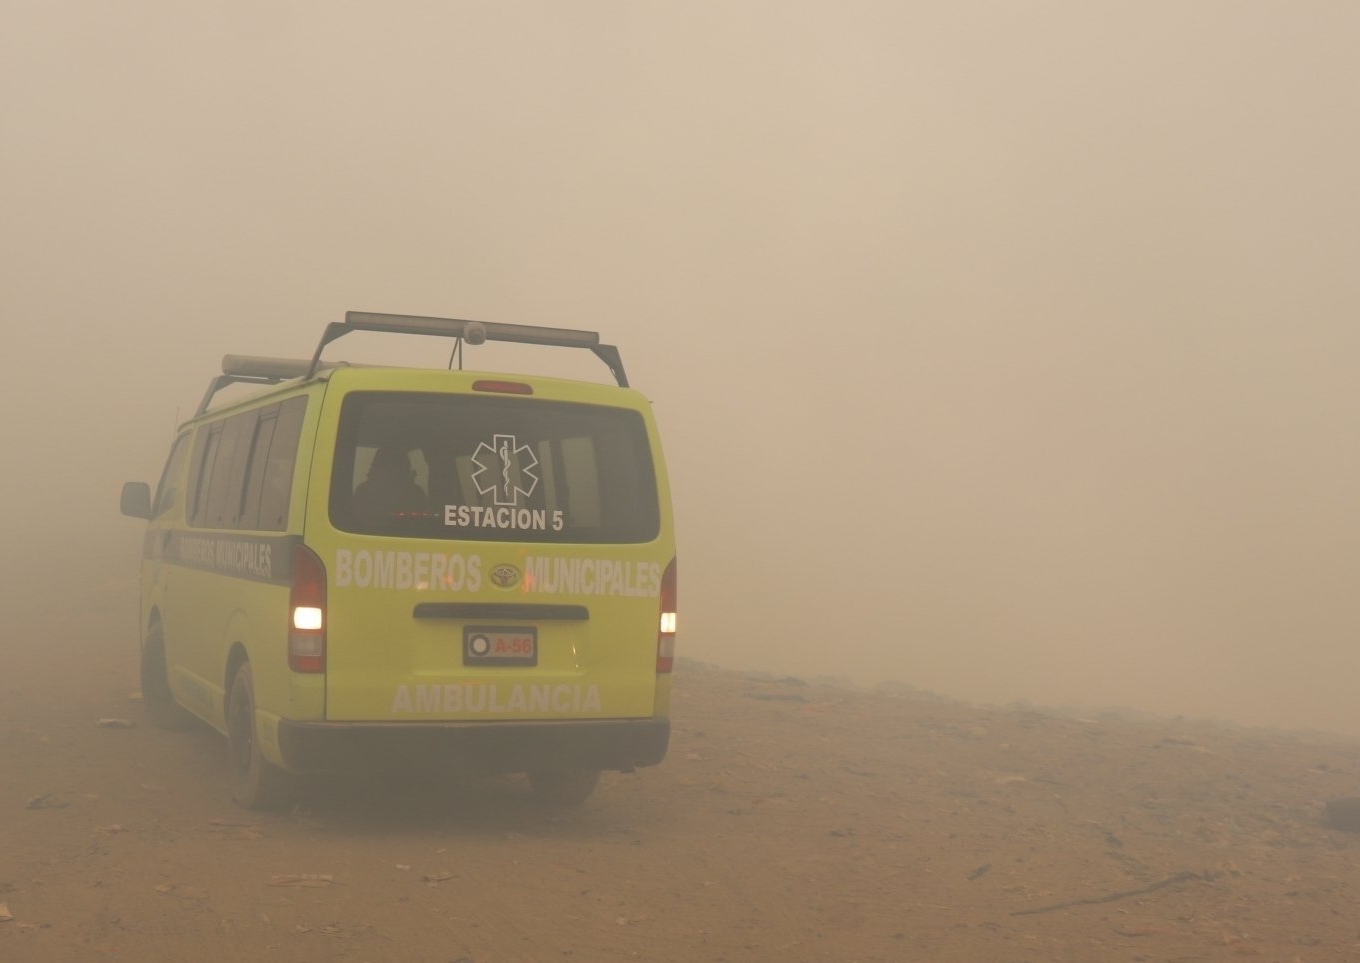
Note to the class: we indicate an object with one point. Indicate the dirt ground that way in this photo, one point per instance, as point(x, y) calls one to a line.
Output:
point(791, 821)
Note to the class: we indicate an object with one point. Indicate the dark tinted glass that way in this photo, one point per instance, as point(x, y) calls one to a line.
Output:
point(228, 474)
point(255, 468)
point(205, 456)
point(242, 472)
point(492, 469)
point(277, 485)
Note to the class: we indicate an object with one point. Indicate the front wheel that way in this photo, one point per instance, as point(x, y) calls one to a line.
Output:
point(256, 783)
point(563, 788)
point(158, 702)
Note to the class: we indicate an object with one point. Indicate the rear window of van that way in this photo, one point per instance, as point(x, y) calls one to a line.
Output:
point(492, 469)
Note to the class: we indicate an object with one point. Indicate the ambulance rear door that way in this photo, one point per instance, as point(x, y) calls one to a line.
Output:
point(492, 553)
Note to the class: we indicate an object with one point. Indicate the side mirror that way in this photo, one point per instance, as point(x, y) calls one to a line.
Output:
point(136, 500)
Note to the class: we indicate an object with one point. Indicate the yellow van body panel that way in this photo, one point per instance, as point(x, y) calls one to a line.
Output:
point(384, 664)
point(413, 624)
point(214, 593)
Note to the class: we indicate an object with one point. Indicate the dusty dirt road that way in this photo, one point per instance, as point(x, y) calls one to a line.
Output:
point(791, 822)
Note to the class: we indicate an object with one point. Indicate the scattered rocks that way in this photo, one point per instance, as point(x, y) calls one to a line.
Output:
point(301, 879)
point(45, 801)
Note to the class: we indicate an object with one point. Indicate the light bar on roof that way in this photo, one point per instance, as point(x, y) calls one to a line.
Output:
point(257, 366)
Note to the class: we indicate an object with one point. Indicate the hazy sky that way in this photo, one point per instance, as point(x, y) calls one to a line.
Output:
point(1004, 349)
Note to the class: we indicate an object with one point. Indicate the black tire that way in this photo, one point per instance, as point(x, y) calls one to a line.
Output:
point(256, 783)
point(158, 702)
point(563, 788)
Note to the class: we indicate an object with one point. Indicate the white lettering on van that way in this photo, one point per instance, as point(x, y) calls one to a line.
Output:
point(488, 699)
point(502, 516)
point(252, 558)
point(426, 571)
point(427, 698)
point(384, 563)
point(232, 556)
point(548, 575)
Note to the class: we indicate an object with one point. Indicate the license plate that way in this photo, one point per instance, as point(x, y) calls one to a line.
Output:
point(500, 646)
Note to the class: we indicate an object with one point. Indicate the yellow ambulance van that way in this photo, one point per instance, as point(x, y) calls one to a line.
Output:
point(465, 570)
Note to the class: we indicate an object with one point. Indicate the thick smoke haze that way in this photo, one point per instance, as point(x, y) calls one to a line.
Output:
point(1006, 351)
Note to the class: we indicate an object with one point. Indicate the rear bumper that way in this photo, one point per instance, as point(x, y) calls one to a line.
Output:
point(615, 744)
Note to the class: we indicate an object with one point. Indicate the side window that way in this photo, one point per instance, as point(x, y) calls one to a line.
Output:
point(205, 456)
point(229, 469)
point(276, 484)
point(167, 491)
point(255, 467)
point(242, 469)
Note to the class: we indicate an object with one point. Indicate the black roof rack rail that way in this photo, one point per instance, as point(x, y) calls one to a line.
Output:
point(473, 332)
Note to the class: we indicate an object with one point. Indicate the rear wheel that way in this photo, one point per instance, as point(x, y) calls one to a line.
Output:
point(256, 783)
point(158, 702)
point(563, 788)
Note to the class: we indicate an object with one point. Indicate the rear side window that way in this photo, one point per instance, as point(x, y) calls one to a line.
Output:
point(223, 503)
point(205, 457)
point(242, 468)
point(492, 469)
point(269, 469)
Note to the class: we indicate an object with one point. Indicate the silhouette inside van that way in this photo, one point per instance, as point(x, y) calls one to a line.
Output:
point(389, 490)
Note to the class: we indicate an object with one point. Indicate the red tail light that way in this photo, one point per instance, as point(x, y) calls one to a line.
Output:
point(665, 638)
point(307, 613)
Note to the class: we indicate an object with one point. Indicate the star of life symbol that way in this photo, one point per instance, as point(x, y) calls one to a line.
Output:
point(505, 469)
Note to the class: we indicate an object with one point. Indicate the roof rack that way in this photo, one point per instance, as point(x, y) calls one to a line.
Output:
point(473, 332)
point(252, 369)
point(258, 370)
